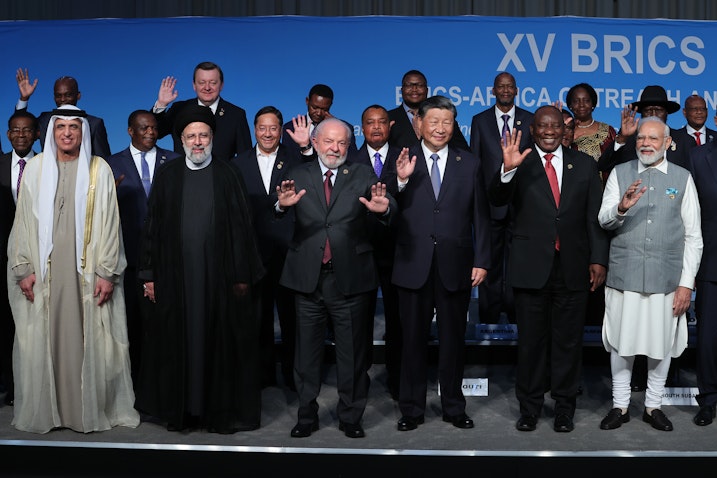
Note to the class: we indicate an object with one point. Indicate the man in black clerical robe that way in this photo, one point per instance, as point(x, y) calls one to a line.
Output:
point(199, 263)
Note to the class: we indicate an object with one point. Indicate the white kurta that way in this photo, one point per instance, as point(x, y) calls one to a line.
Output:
point(107, 393)
point(643, 324)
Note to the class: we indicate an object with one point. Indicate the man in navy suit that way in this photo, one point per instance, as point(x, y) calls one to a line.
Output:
point(133, 169)
point(487, 128)
point(559, 252)
point(318, 104)
point(381, 156)
point(695, 133)
point(404, 134)
point(262, 168)
point(66, 92)
point(442, 252)
point(703, 166)
point(330, 267)
point(231, 136)
point(22, 133)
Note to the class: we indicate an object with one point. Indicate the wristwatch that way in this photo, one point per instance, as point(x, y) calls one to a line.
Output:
point(303, 149)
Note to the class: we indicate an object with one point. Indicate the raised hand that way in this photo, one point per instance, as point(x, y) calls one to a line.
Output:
point(23, 83)
point(628, 121)
point(300, 135)
point(512, 157)
point(405, 166)
point(167, 93)
point(379, 201)
point(633, 194)
point(287, 194)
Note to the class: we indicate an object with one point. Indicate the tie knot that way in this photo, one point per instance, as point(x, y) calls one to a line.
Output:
point(21, 162)
point(328, 174)
point(505, 118)
point(548, 157)
point(434, 157)
point(377, 156)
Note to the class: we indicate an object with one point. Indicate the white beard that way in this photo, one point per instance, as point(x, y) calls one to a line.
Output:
point(332, 163)
point(649, 160)
point(200, 157)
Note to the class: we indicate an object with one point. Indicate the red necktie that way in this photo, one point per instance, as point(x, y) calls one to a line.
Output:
point(553, 180)
point(697, 138)
point(327, 192)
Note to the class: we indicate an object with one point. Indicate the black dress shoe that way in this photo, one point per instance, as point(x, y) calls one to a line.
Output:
point(614, 419)
point(352, 430)
point(527, 423)
point(563, 423)
point(459, 421)
point(303, 430)
point(658, 420)
point(705, 415)
point(406, 423)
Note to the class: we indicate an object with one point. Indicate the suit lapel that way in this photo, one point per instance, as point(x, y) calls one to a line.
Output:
point(342, 174)
point(317, 180)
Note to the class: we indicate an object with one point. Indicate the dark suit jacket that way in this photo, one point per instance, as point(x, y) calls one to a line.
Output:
point(131, 198)
point(455, 227)
point(7, 211)
point(344, 221)
point(100, 144)
point(231, 136)
point(403, 136)
point(682, 136)
point(383, 237)
point(293, 148)
point(485, 145)
point(703, 166)
point(677, 153)
point(273, 234)
point(537, 221)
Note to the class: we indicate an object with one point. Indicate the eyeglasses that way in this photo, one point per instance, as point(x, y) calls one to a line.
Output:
point(414, 86)
point(21, 130)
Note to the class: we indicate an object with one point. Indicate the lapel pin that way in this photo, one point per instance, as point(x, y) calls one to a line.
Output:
point(221, 112)
point(458, 158)
point(280, 165)
point(570, 165)
point(346, 171)
point(673, 146)
point(518, 122)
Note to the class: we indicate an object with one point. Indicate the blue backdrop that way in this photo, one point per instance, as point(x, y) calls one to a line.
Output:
point(275, 60)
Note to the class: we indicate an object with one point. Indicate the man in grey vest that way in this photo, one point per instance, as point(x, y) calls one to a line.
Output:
point(654, 256)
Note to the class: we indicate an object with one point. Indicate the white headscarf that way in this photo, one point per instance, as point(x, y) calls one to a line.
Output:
point(48, 187)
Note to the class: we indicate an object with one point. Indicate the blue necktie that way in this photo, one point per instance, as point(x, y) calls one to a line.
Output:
point(377, 165)
point(506, 129)
point(146, 182)
point(435, 175)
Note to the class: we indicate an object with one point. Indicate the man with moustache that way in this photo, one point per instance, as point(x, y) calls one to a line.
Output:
point(558, 254)
point(487, 131)
point(134, 169)
point(231, 135)
point(331, 269)
point(262, 168)
point(655, 253)
point(22, 132)
point(381, 156)
point(65, 260)
point(200, 263)
point(65, 92)
point(405, 132)
point(442, 252)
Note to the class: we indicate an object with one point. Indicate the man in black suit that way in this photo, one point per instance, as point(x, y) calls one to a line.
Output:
point(695, 133)
point(22, 132)
point(442, 252)
point(487, 129)
point(232, 129)
point(559, 253)
point(703, 164)
point(331, 268)
point(318, 104)
point(262, 168)
point(404, 132)
point(133, 169)
point(381, 156)
point(66, 92)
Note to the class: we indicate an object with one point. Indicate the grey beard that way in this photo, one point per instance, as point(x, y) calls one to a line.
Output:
point(338, 164)
point(198, 158)
point(650, 160)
